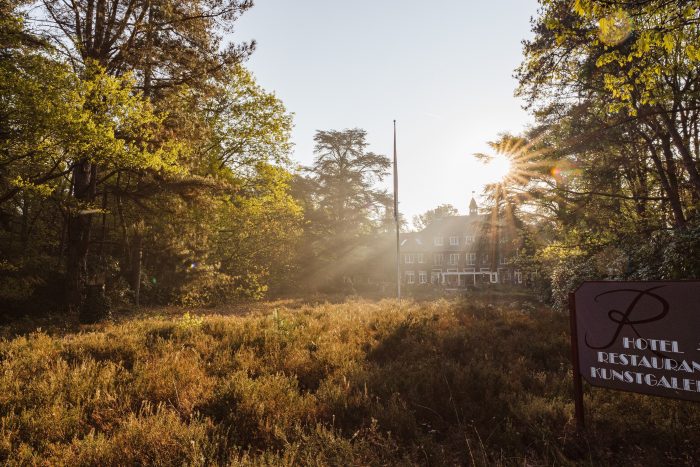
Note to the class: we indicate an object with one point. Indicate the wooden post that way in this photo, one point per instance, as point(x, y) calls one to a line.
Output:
point(578, 384)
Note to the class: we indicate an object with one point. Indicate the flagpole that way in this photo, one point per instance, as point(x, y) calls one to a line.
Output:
point(396, 220)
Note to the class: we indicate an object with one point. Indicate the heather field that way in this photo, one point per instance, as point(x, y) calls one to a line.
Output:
point(482, 381)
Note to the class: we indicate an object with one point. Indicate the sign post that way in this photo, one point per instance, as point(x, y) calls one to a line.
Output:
point(641, 337)
point(578, 383)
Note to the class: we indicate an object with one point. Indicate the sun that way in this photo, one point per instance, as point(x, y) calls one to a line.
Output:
point(499, 167)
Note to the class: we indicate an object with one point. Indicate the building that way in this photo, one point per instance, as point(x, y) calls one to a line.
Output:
point(460, 251)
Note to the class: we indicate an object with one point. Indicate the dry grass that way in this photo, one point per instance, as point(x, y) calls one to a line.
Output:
point(356, 383)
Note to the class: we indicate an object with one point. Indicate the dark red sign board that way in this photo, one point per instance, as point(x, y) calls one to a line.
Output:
point(639, 336)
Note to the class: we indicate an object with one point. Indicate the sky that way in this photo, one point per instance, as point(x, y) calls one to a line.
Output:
point(442, 68)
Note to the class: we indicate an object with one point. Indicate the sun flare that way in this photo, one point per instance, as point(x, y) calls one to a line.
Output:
point(499, 167)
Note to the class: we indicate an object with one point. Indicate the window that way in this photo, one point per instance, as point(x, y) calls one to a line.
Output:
point(410, 277)
point(454, 258)
point(422, 277)
point(471, 259)
point(503, 260)
point(454, 241)
point(435, 277)
point(469, 239)
point(413, 258)
point(438, 258)
point(485, 259)
point(437, 241)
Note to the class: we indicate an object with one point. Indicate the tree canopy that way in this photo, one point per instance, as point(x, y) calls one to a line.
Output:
point(607, 178)
point(138, 156)
point(421, 221)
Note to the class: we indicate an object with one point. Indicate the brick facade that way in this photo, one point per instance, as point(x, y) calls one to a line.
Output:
point(460, 251)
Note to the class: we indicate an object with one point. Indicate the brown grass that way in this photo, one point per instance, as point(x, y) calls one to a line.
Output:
point(482, 381)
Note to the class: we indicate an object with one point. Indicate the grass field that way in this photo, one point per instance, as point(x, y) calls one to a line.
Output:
point(482, 381)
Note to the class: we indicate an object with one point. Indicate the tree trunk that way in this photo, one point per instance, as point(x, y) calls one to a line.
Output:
point(674, 193)
point(684, 151)
point(135, 276)
point(79, 223)
point(668, 171)
point(667, 178)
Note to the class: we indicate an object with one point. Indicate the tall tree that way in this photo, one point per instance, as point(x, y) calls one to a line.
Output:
point(167, 42)
point(345, 174)
point(421, 221)
point(166, 46)
point(343, 207)
point(634, 63)
point(610, 171)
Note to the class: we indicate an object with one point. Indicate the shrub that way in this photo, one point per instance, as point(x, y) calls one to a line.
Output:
point(483, 380)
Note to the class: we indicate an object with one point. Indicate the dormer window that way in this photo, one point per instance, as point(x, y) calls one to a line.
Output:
point(437, 241)
point(454, 241)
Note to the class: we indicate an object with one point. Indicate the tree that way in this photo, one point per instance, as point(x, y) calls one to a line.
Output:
point(421, 221)
point(236, 147)
point(343, 208)
point(258, 233)
point(345, 174)
point(53, 120)
point(221, 246)
point(133, 145)
point(166, 43)
point(633, 63)
point(609, 173)
point(169, 48)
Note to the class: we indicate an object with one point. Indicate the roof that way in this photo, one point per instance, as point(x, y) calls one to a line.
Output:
point(459, 226)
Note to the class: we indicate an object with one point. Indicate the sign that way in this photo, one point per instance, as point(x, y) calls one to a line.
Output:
point(641, 337)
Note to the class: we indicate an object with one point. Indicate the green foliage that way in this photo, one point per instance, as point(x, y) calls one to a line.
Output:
point(421, 221)
point(482, 381)
point(178, 174)
point(206, 286)
point(342, 206)
point(567, 275)
point(189, 322)
point(248, 125)
point(607, 181)
point(52, 118)
point(680, 257)
point(344, 173)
